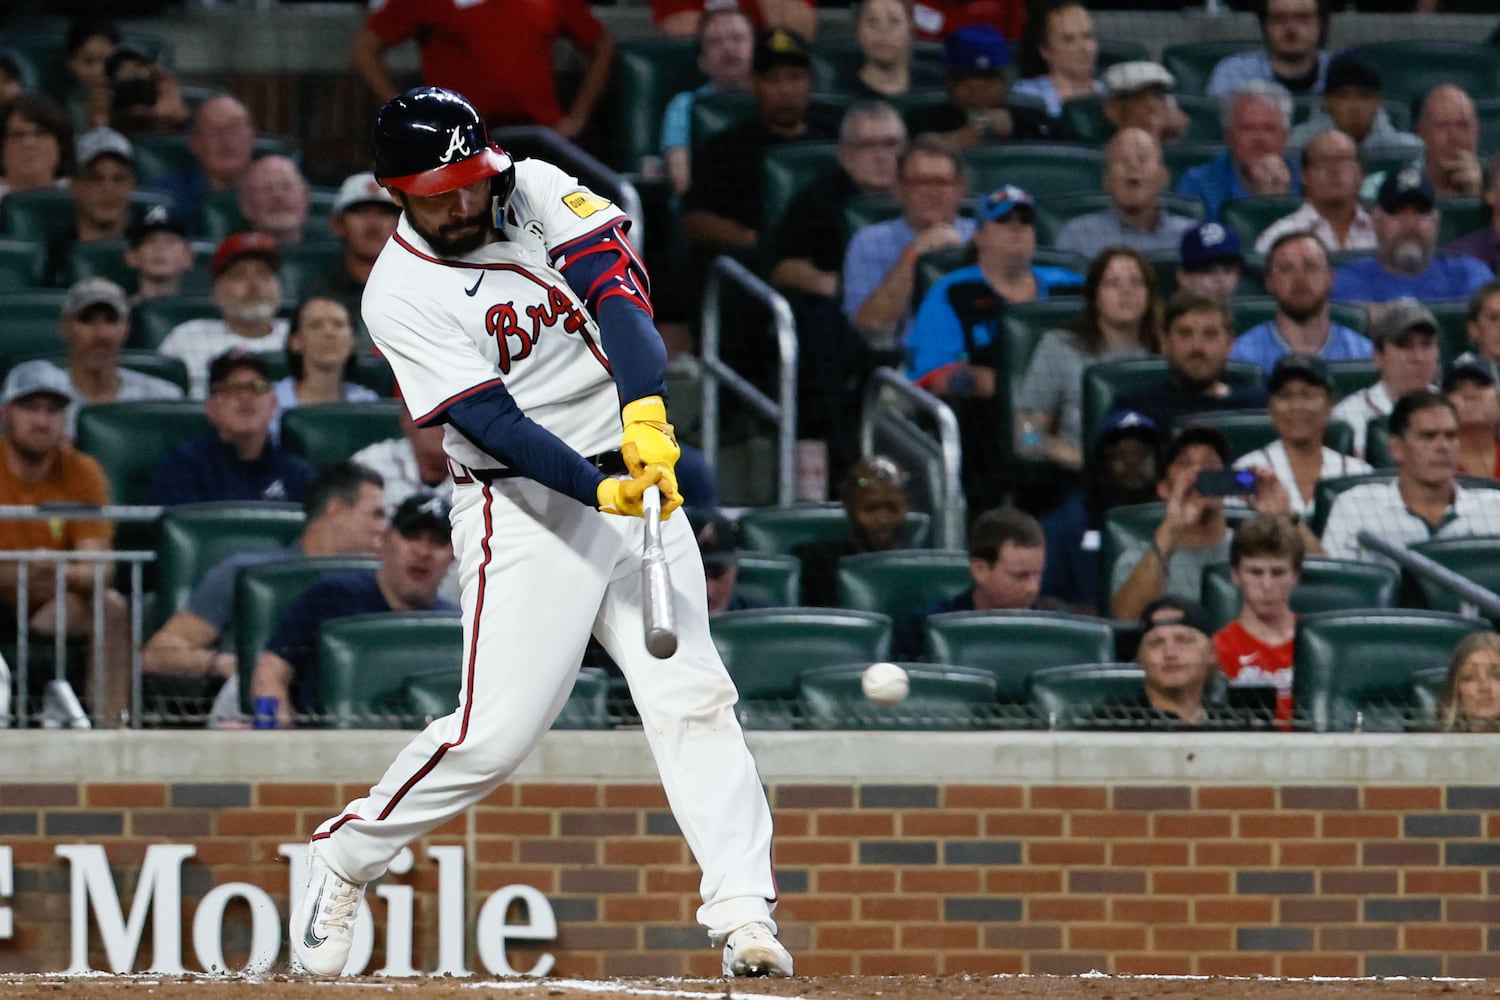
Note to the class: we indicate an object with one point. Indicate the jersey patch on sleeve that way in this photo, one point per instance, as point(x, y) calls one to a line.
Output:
point(584, 203)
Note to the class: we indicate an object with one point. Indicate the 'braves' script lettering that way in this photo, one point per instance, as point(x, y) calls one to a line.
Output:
point(502, 323)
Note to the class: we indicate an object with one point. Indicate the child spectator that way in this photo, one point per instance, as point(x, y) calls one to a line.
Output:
point(1265, 560)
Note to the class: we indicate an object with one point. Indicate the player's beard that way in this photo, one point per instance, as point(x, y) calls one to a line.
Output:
point(457, 239)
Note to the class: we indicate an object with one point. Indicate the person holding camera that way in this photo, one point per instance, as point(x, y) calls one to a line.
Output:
point(1194, 532)
point(144, 96)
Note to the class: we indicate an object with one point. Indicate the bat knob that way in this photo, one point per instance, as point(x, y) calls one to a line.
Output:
point(661, 643)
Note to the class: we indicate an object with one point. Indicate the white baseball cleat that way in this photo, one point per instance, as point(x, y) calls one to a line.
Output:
point(754, 951)
point(322, 925)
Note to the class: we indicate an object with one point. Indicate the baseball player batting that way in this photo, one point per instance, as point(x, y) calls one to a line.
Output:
point(514, 312)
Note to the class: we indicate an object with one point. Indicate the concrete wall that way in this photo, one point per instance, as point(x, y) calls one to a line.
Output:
point(1276, 855)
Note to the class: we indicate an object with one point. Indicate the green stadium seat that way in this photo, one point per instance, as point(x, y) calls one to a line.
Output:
point(101, 259)
point(769, 580)
point(365, 661)
point(833, 62)
point(1069, 697)
point(781, 529)
point(1426, 695)
point(1205, 117)
point(648, 73)
point(1186, 154)
point(713, 113)
point(263, 592)
point(788, 171)
point(156, 156)
point(1409, 68)
point(931, 267)
point(942, 698)
point(303, 267)
point(1488, 110)
point(1056, 168)
point(1348, 377)
point(900, 582)
point(1192, 63)
point(1251, 216)
point(36, 215)
point(1248, 430)
point(147, 362)
point(220, 215)
point(374, 372)
point(333, 432)
point(30, 324)
point(153, 319)
point(1453, 327)
point(20, 261)
point(1104, 381)
point(1326, 585)
point(766, 650)
point(1460, 216)
point(197, 537)
point(1378, 443)
point(1011, 645)
point(433, 694)
point(128, 439)
point(868, 210)
point(1085, 116)
point(1117, 50)
point(1476, 558)
point(1355, 669)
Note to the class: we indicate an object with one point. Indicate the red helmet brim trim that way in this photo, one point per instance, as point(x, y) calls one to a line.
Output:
point(486, 163)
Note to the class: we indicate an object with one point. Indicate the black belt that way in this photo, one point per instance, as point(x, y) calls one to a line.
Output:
point(611, 463)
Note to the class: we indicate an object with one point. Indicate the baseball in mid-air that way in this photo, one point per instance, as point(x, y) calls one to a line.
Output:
point(885, 683)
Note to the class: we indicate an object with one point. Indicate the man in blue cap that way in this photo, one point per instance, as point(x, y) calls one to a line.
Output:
point(1406, 261)
point(1211, 261)
point(977, 112)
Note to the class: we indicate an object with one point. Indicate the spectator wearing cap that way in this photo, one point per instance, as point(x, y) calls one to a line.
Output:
point(36, 145)
point(880, 262)
point(95, 322)
point(1120, 318)
point(726, 43)
point(1138, 94)
point(236, 459)
point(1300, 405)
point(718, 545)
point(681, 18)
point(1257, 120)
point(1179, 665)
point(1193, 533)
point(457, 47)
point(1294, 35)
point(1121, 471)
point(274, 199)
point(1265, 566)
point(1469, 385)
point(1196, 339)
point(1483, 244)
point(1354, 104)
point(1331, 175)
point(1134, 176)
point(975, 58)
point(722, 209)
point(1299, 277)
point(103, 181)
point(1425, 500)
point(158, 251)
point(1406, 355)
point(222, 141)
point(414, 557)
point(1406, 261)
point(1007, 557)
point(247, 293)
point(1210, 261)
point(1483, 317)
point(364, 217)
point(1058, 57)
point(38, 466)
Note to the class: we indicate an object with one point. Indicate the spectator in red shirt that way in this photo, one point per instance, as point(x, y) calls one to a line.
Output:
point(679, 18)
point(937, 18)
point(497, 53)
point(1265, 562)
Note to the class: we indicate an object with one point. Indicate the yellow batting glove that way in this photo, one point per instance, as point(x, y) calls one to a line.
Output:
point(623, 496)
point(671, 497)
point(648, 438)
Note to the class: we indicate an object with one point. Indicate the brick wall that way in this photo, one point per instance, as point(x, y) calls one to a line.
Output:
point(1295, 880)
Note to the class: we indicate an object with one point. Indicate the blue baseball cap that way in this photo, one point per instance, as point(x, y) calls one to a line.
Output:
point(1210, 243)
point(1002, 201)
point(976, 48)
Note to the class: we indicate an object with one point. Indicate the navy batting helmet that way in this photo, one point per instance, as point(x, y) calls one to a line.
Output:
point(430, 140)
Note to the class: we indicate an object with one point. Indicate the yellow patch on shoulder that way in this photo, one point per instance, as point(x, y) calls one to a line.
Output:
point(583, 204)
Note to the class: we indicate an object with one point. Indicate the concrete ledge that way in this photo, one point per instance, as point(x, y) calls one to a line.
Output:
point(783, 758)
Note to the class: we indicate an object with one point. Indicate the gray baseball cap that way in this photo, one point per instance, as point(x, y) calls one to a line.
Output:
point(1400, 316)
point(97, 142)
point(31, 377)
point(95, 292)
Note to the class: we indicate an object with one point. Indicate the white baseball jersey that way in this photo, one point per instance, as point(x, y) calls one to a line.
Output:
point(504, 313)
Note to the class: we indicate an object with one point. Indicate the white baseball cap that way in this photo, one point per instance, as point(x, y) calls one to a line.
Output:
point(361, 189)
point(1126, 78)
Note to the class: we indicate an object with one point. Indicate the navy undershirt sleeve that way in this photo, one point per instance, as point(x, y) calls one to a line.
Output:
point(491, 419)
point(637, 356)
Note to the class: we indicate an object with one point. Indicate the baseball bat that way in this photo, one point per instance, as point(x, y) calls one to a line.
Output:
point(659, 617)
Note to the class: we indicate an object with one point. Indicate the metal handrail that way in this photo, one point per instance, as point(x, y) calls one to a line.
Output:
point(783, 412)
point(585, 167)
point(950, 511)
point(1484, 599)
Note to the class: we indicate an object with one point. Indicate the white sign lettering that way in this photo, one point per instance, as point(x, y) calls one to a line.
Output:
point(7, 887)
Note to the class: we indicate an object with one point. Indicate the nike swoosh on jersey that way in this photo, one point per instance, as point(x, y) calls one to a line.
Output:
point(470, 291)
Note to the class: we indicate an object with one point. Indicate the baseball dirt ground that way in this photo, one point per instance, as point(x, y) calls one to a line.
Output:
point(104, 987)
